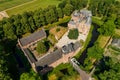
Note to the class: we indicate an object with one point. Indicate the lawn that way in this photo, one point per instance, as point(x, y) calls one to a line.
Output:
point(5, 4)
point(102, 40)
point(32, 6)
point(117, 31)
point(58, 31)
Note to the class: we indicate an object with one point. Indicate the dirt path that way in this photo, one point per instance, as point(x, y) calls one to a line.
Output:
point(3, 14)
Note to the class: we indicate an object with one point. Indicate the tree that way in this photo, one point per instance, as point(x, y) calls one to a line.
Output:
point(18, 25)
point(32, 23)
point(9, 30)
point(25, 23)
point(41, 48)
point(62, 4)
point(68, 9)
point(73, 34)
point(4, 75)
point(108, 28)
point(1, 29)
point(59, 12)
point(118, 22)
point(108, 70)
point(93, 53)
point(51, 15)
point(30, 76)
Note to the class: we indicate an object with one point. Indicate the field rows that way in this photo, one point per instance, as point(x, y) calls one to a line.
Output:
point(32, 6)
point(5, 4)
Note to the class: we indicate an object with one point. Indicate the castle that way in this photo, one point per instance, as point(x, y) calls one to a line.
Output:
point(81, 20)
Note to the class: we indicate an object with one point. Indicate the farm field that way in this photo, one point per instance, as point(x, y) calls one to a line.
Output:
point(5, 4)
point(36, 4)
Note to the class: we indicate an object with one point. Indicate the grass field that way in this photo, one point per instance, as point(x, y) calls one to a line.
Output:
point(32, 6)
point(5, 4)
point(102, 40)
point(117, 31)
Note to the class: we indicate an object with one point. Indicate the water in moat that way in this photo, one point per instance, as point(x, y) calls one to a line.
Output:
point(94, 37)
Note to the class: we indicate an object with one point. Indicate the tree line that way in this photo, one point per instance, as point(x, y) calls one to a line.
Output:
point(19, 24)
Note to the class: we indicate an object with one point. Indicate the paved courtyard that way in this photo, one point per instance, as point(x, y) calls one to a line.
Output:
point(65, 40)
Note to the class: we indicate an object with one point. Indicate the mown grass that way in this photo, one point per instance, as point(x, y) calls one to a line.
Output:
point(32, 6)
point(102, 40)
point(5, 4)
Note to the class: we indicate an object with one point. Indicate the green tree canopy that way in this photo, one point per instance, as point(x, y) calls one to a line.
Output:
point(108, 28)
point(59, 12)
point(108, 70)
point(68, 9)
point(41, 48)
point(30, 76)
point(4, 75)
point(73, 34)
point(95, 52)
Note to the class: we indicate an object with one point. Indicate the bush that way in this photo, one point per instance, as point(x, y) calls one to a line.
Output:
point(58, 29)
point(73, 34)
point(41, 48)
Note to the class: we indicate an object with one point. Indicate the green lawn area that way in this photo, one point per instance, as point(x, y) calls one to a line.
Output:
point(117, 0)
point(102, 40)
point(117, 31)
point(32, 6)
point(5, 4)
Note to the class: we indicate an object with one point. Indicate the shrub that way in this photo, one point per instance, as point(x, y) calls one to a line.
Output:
point(58, 29)
point(73, 34)
point(52, 39)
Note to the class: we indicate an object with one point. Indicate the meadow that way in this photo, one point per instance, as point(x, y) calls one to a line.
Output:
point(31, 6)
point(103, 40)
point(5, 4)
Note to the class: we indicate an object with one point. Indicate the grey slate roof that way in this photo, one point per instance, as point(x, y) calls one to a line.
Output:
point(49, 58)
point(86, 12)
point(76, 13)
point(89, 21)
point(71, 22)
point(116, 42)
point(77, 45)
point(71, 47)
point(29, 55)
point(33, 37)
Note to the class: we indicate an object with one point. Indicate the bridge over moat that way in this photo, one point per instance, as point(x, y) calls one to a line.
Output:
point(83, 74)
